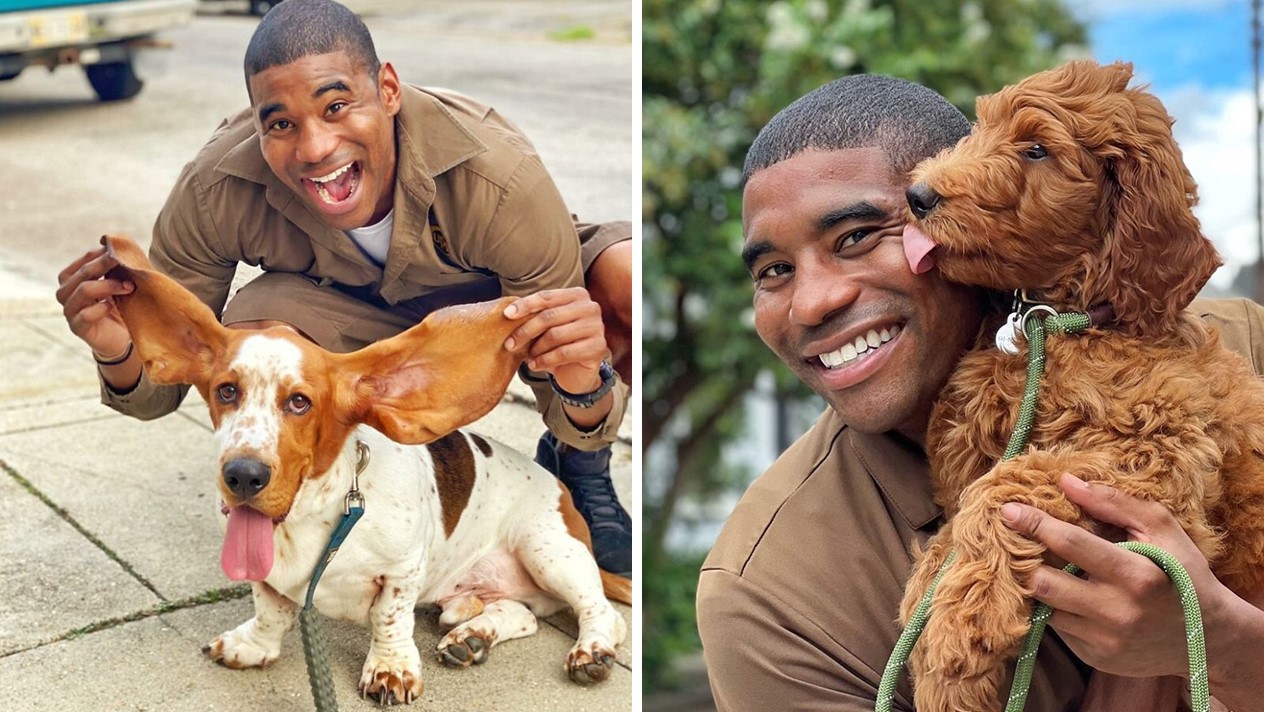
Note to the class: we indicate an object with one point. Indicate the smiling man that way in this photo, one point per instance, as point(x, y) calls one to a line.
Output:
point(370, 203)
point(797, 600)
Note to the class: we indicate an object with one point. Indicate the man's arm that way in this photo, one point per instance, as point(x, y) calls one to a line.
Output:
point(1124, 616)
point(532, 246)
point(762, 655)
point(186, 248)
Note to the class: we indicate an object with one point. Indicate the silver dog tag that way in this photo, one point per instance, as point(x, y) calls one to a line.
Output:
point(1007, 335)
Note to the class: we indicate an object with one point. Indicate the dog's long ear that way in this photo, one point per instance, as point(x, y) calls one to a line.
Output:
point(1155, 258)
point(446, 372)
point(176, 335)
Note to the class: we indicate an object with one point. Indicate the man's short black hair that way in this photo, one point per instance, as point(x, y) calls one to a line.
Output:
point(907, 121)
point(299, 28)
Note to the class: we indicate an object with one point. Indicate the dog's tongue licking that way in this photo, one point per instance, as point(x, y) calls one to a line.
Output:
point(918, 248)
point(247, 551)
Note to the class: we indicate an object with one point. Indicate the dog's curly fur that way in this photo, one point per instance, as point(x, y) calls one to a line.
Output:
point(1152, 404)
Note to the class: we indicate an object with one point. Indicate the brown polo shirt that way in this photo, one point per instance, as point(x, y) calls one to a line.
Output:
point(798, 599)
point(473, 204)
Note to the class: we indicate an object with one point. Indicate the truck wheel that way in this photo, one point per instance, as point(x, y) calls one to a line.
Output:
point(261, 7)
point(113, 81)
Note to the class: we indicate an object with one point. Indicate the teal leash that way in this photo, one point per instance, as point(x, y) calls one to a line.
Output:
point(315, 650)
point(1034, 330)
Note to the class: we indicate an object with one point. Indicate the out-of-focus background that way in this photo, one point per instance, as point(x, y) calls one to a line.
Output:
point(109, 532)
point(717, 405)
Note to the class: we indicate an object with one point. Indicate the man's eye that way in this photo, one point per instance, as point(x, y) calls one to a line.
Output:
point(852, 238)
point(772, 271)
point(337, 106)
point(279, 125)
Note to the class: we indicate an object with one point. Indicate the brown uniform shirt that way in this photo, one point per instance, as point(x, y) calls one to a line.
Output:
point(798, 599)
point(460, 166)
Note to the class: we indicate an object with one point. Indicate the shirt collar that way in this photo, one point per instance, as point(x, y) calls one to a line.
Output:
point(900, 470)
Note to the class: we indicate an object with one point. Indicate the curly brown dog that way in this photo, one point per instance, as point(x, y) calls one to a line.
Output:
point(1071, 187)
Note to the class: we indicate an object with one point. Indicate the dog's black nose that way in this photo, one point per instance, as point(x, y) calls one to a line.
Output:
point(921, 199)
point(245, 478)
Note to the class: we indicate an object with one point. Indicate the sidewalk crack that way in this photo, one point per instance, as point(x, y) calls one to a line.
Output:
point(61, 512)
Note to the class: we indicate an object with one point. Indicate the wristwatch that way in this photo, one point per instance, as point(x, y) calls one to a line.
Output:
point(587, 400)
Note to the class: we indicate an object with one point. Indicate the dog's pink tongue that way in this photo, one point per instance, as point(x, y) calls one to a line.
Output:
point(918, 248)
point(247, 551)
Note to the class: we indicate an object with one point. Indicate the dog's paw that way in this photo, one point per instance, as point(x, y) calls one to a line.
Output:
point(589, 664)
point(464, 648)
point(391, 679)
point(237, 649)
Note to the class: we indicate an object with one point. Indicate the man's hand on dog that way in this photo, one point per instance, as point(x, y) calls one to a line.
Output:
point(1123, 616)
point(567, 340)
point(86, 296)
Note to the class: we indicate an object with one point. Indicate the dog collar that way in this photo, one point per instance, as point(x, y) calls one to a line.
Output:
point(1024, 305)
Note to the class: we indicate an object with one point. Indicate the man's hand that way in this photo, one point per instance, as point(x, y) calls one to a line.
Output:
point(1124, 616)
point(566, 335)
point(86, 296)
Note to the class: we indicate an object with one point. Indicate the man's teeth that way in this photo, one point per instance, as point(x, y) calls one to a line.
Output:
point(861, 347)
point(331, 176)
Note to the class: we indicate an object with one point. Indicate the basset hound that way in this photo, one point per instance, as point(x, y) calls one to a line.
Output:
point(450, 517)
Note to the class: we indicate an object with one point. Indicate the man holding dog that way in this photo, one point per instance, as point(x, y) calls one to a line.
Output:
point(370, 203)
point(798, 598)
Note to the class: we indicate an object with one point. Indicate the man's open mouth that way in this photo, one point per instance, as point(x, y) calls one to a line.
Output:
point(863, 347)
point(335, 187)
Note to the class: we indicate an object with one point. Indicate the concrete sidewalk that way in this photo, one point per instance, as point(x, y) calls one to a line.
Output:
point(109, 558)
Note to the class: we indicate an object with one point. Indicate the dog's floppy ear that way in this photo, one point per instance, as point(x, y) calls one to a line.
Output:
point(1155, 257)
point(447, 371)
point(176, 335)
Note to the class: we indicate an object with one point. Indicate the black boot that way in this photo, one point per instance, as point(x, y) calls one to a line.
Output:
point(587, 476)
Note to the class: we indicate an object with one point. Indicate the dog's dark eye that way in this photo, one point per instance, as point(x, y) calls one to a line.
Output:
point(226, 393)
point(298, 404)
point(1036, 152)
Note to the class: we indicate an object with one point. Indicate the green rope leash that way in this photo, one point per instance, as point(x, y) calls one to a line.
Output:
point(904, 646)
point(1196, 646)
point(316, 653)
point(1035, 329)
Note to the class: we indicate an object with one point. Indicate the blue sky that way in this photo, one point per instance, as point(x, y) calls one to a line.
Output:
point(1196, 56)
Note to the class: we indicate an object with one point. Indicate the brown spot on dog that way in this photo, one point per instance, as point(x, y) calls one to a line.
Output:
point(482, 444)
point(575, 524)
point(454, 476)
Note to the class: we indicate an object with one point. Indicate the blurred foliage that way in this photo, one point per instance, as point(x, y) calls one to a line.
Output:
point(714, 72)
point(672, 587)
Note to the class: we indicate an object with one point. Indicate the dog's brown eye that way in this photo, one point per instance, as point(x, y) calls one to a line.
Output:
point(226, 393)
point(1036, 152)
point(298, 404)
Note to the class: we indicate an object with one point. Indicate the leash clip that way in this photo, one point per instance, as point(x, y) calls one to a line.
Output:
point(354, 498)
point(1015, 325)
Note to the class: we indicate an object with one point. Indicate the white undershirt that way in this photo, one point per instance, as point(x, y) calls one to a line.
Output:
point(375, 239)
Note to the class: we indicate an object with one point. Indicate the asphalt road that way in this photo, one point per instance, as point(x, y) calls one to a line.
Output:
point(72, 169)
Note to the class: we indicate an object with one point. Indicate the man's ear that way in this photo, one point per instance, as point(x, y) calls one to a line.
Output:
point(388, 88)
point(446, 372)
point(176, 335)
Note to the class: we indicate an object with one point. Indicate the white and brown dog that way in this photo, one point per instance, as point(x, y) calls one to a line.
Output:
point(460, 521)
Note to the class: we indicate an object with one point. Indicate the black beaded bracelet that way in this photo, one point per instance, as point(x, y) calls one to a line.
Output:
point(587, 400)
point(115, 362)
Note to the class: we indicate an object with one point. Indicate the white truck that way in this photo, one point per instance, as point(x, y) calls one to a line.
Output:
point(102, 36)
